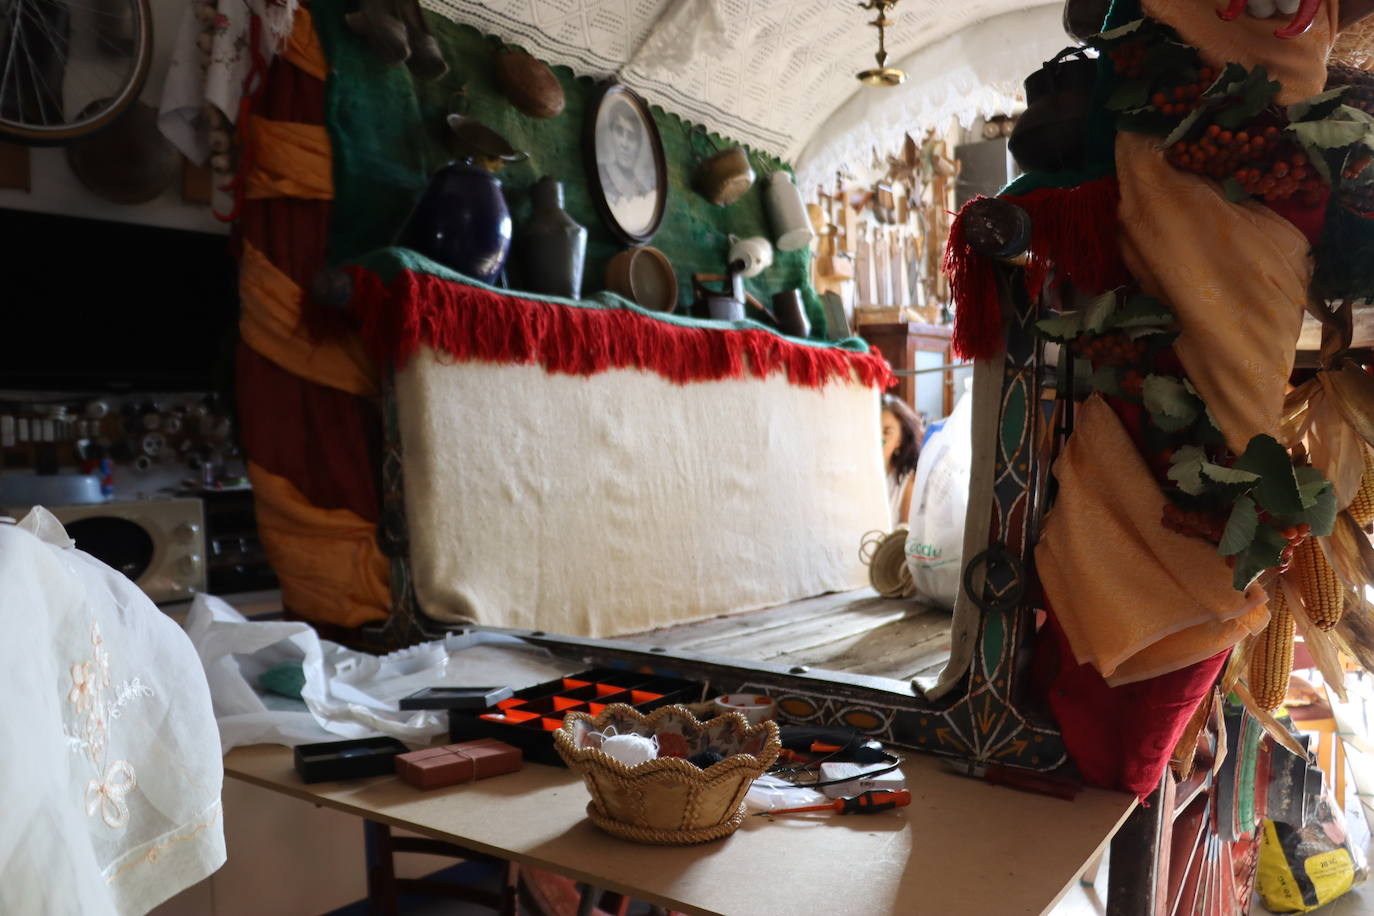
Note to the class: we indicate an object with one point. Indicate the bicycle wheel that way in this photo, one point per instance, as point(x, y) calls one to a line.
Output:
point(70, 67)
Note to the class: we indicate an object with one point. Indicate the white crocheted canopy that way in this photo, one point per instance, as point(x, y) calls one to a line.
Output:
point(780, 74)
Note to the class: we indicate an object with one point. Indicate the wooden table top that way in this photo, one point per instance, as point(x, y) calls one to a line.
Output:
point(962, 847)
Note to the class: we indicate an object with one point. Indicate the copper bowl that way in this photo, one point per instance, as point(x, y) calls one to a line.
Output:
point(723, 178)
point(645, 277)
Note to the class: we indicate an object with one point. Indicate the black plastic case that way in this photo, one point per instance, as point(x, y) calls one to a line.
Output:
point(331, 760)
point(477, 698)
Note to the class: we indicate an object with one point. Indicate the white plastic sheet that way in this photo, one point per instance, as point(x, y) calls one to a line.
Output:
point(347, 694)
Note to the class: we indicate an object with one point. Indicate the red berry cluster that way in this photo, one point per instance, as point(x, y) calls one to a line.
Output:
point(1115, 349)
point(1205, 525)
point(1129, 59)
point(1295, 535)
point(1254, 160)
point(1182, 99)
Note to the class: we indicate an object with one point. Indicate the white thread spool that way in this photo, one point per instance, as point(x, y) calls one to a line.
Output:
point(631, 750)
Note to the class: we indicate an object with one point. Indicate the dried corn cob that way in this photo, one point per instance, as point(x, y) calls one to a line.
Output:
point(1320, 587)
point(1271, 655)
point(1362, 507)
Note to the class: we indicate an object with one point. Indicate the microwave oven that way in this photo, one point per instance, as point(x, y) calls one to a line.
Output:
point(157, 543)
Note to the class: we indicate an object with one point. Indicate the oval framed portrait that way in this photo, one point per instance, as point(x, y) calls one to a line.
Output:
point(626, 170)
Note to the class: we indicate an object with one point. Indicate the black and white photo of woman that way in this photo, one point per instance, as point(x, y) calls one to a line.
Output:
point(625, 162)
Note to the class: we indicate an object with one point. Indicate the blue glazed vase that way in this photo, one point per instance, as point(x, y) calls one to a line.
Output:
point(462, 222)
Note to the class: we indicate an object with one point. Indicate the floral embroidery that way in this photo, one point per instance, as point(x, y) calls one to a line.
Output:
point(107, 795)
point(83, 686)
point(102, 658)
point(127, 691)
point(96, 728)
point(89, 696)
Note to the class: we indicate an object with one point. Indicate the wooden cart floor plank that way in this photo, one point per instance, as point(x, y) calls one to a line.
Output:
point(703, 634)
point(857, 632)
point(895, 650)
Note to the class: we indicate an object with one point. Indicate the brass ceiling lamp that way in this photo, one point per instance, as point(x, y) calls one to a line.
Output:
point(882, 75)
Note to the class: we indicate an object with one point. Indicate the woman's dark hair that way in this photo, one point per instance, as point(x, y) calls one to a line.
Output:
point(909, 451)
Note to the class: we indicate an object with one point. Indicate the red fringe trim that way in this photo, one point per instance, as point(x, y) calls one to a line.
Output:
point(973, 287)
point(1073, 232)
point(473, 324)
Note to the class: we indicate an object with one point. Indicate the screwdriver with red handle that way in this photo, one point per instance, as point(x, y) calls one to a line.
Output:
point(870, 802)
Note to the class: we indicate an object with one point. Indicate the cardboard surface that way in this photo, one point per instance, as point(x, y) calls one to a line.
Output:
point(962, 847)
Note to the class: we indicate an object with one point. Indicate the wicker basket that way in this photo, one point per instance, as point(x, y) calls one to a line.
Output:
point(668, 801)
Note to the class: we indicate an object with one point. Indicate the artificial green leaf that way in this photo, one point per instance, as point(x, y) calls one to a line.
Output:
point(1209, 433)
point(1141, 311)
point(1183, 128)
point(1185, 469)
point(1107, 380)
point(1260, 90)
point(1318, 106)
point(1120, 31)
point(1247, 569)
point(1247, 99)
point(1319, 501)
point(1170, 406)
point(1277, 490)
point(1317, 156)
point(1228, 483)
point(1146, 121)
point(1351, 113)
point(1140, 299)
point(1228, 81)
point(1170, 424)
point(1138, 333)
point(1235, 191)
point(1240, 527)
point(1129, 95)
point(1264, 552)
point(1097, 311)
point(1062, 329)
point(1311, 490)
point(1330, 133)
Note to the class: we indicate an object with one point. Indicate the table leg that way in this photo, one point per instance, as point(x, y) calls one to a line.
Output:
point(587, 897)
point(381, 869)
point(510, 891)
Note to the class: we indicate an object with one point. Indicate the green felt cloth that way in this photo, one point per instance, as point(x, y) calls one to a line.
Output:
point(386, 263)
point(388, 135)
point(286, 679)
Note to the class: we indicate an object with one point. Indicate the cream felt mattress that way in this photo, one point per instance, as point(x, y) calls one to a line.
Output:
point(619, 502)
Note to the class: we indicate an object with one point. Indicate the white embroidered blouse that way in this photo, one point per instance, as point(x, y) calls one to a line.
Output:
point(111, 771)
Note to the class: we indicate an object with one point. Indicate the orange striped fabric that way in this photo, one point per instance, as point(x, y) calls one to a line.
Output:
point(327, 560)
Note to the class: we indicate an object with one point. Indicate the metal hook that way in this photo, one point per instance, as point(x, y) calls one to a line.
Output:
point(1000, 554)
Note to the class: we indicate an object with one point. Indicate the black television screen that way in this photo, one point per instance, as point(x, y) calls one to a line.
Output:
point(94, 305)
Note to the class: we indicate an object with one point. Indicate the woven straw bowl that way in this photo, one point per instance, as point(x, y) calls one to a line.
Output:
point(668, 801)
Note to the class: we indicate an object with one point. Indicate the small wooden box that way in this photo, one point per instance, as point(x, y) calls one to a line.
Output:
point(436, 767)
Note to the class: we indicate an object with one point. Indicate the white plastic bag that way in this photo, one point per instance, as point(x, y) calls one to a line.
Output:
point(935, 535)
point(347, 694)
